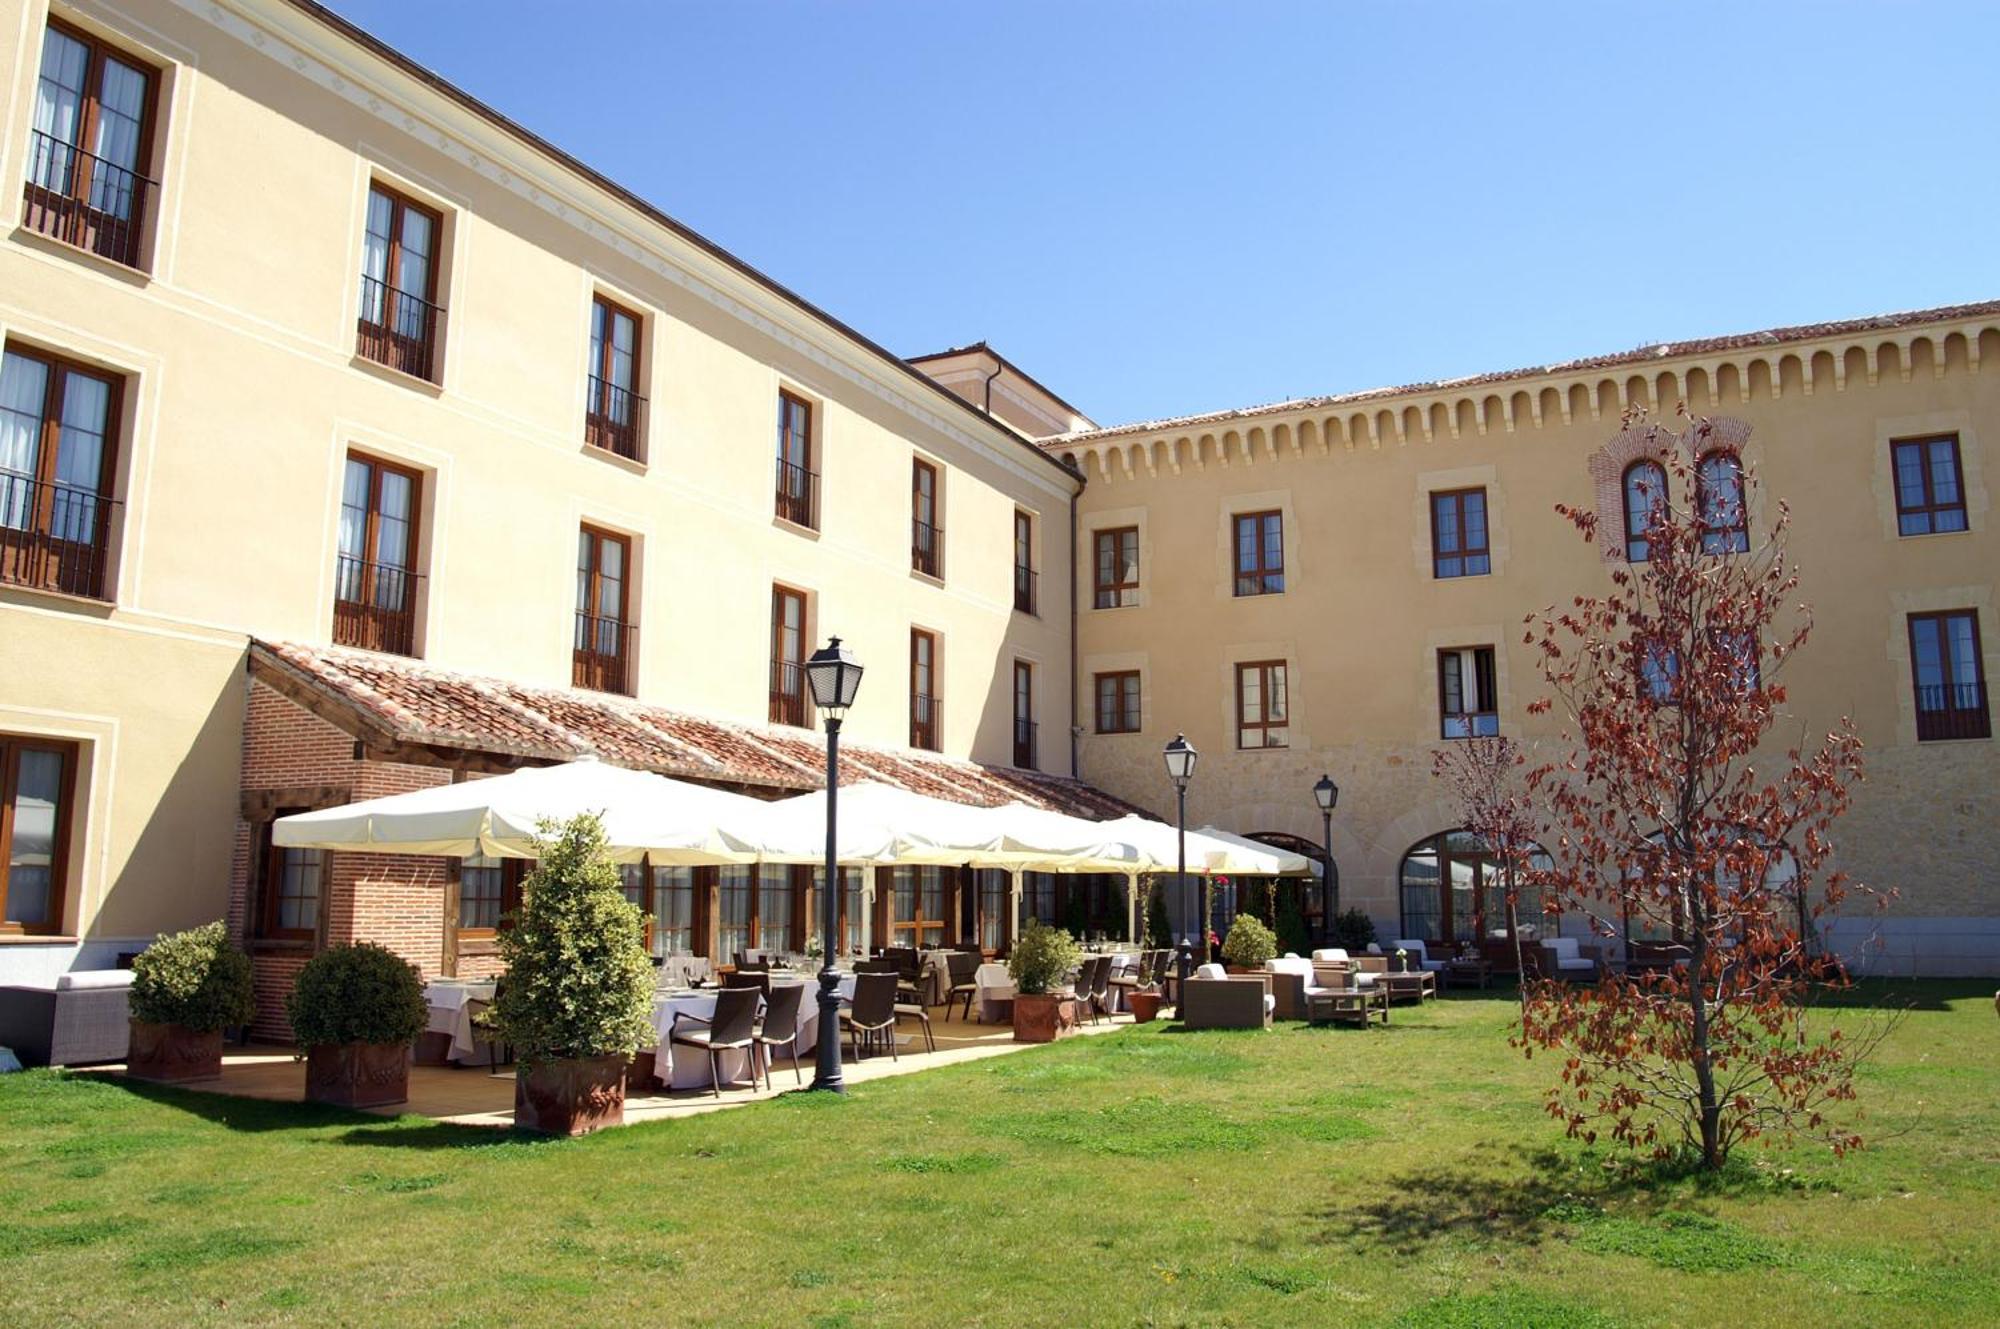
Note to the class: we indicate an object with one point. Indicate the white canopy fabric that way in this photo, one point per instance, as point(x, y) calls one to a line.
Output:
point(1254, 858)
point(1023, 838)
point(678, 824)
point(1207, 852)
point(793, 830)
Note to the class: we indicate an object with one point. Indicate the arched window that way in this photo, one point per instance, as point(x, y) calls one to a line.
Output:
point(1725, 527)
point(1645, 490)
point(1454, 892)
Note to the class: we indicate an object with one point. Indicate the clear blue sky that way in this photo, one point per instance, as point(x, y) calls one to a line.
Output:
point(1161, 208)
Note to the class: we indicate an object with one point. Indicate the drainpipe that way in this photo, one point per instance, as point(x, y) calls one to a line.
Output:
point(1075, 734)
point(999, 366)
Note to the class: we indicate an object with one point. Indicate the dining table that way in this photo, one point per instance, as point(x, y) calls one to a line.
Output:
point(689, 1070)
point(449, 1000)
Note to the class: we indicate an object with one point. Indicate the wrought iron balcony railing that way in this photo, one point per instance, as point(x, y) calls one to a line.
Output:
point(375, 606)
point(398, 329)
point(84, 200)
point(55, 537)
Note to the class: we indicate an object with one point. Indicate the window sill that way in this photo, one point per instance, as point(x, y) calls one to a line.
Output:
point(280, 946)
point(89, 604)
point(635, 465)
point(38, 939)
point(785, 523)
point(1112, 609)
point(928, 578)
point(391, 374)
point(110, 267)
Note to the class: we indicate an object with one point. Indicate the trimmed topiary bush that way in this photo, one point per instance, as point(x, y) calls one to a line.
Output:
point(362, 993)
point(1250, 943)
point(579, 983)
point(1041, 959)
point(1354, 930)
point(194, 979)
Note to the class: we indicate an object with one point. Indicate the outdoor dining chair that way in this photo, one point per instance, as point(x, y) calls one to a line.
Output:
point(749, 978)
point(780, 1027)
point(733, 1029)
point(1100, 989)
point(746, 965)
point(872, 1013)
point(963, 968)
point(498, 1051)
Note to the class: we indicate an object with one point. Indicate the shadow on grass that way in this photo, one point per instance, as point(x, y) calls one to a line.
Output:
point(235, 1112)
point(1905, 994)
point(439, 1135)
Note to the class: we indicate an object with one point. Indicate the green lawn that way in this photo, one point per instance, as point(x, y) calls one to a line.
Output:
point(1330, 1177)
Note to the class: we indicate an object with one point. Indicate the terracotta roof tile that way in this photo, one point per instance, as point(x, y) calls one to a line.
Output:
point(423, 704)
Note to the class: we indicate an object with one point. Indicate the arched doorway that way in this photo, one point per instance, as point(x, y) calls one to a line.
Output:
point(1453, 892)
point(1315, 893)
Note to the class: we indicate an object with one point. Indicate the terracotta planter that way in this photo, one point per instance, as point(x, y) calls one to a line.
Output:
point(1043, 1017)
point(358, 1075)
point(171, 1054)
point(571, 1097)
point(433, 1049)
point(1145, 1006)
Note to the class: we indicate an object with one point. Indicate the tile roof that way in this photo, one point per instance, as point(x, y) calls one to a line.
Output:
point(424, 705)
point(1639, 355)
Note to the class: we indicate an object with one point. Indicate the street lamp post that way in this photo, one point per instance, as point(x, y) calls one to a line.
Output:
point(1180, 757)
point(834, 676)
point(1326, 793)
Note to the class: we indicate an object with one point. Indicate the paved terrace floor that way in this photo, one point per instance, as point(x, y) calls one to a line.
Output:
point(479, 1096)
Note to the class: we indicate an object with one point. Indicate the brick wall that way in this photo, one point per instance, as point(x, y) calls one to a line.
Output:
point(395, 900)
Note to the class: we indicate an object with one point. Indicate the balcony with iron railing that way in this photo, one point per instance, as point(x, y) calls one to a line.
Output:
point(788, 694)
point(1953, 710)
point(924, 714)
point(798, 495)
point(602, 653)
point(81, 199)
point(1025, 588)
point(55, 537)
point(375, 606)
point(926, 548)
point(398, 330)
point(616, 419)
point(1024, 745)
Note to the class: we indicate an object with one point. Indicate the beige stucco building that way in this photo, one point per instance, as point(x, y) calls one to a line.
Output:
point(352, 438)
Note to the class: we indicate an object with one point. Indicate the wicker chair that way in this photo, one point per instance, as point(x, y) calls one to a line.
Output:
point(733, 1029)
point(872, 1013)
point(780, 1027)
point(963, 967)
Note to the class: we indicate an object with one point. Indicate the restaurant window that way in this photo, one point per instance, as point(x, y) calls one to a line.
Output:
point(1948, 673)
point(1454, 892)
point(1263, 710)
point(852, 916)
point(918, 914)
point(735, 899)
point(488, 889)
point(666, 897)
point(88, 146)
point(924, 704)
point(798, 482)
point(1117, 568)
point(1024, 562)
point(1024, 715)
point(614, 415)
point(602, 645)
point(293, 888)
point(58, 453)
point(1039, 897)
point(1467, 693)
point(1458, 534)
point(400, 322)
point(788, 657)
point(777, 890)
point(375, 578)
point(758, 905)
point(1725, 527)
point(1118, 702)
point(1260, 553)
point(996, 909)
point(926, 535)
point(1645, 487)
point(37, 807)
point(1930, 492)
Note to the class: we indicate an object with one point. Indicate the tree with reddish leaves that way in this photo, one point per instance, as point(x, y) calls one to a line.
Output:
point(1675, 814)
point(1486, 775)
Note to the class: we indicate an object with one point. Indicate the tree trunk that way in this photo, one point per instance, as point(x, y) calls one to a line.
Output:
point(1704, 1073)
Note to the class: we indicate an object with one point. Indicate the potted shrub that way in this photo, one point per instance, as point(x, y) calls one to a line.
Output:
point(1145, 1003)
point(187, 987)
point(1250, 945)
point(1041, 960)
point(578, 998)
point(356, 1010)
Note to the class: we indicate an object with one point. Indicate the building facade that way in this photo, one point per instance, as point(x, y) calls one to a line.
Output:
point(354, 439)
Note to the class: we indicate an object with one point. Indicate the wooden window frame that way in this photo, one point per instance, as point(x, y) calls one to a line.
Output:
point(1267, 575)
point(1116, 722)
point(1927, 507)
point(924, 931)
point(1267, 671)
point(1733, 538)
point(1466, 551)
point(603, 671)
point(1638, 549)
point(1025, 599)
point(1116, 593)
point(11, 748)
point(601, 428)
point(926, 550)
point(398, 348)
point(1486, 679)
point(364, 613)
point(34, 556)
point(799, 506)
point(926, 732)
point(270, 888)
point(790, 697)
point(512, 872)
point(1024, 722)
point(1950, 723)
point(131, 252)
point(799, 878)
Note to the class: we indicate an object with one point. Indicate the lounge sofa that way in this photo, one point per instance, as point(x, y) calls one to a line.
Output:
point(76, 1020)
point(1562, 958)
point(1219, 1000)
point(1293, 980)
point(1357, 974)
point(1419, 955)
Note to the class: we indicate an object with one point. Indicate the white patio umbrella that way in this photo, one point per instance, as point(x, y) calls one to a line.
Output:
point(1018, 837)
point(1160, 843)
point(1254, 858)
point(677, 823)
point(793, 830)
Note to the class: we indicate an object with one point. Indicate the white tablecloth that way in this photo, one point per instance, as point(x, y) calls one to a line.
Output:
point(447, 998)
point(690, 1071)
